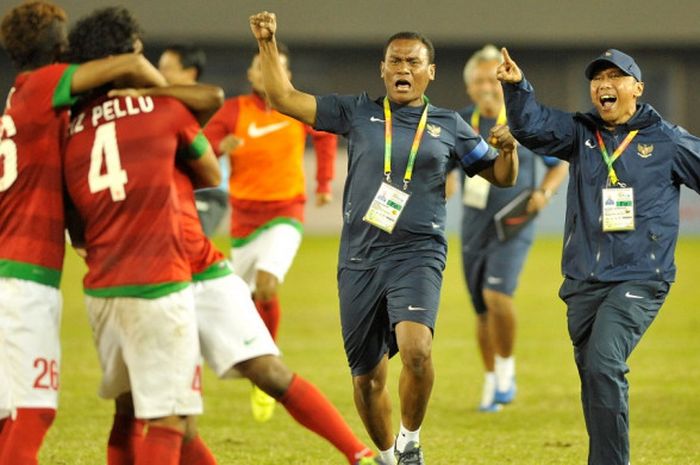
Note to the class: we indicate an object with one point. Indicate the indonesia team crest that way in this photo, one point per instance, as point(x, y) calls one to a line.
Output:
point(645, 151)
point(434, 130)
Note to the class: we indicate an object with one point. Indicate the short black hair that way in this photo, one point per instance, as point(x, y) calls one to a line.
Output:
point(410, 35)
point(191, 56)
point(104, 32)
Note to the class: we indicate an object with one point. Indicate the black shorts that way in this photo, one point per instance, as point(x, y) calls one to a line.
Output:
point(373, 301)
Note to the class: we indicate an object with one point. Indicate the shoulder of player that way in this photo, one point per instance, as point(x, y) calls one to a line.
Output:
point(54, 68)
point(43, 76)
point(360, 102)
point(449, 119)
point(162, 102)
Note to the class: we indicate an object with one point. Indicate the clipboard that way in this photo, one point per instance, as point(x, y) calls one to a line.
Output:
point(513, 217)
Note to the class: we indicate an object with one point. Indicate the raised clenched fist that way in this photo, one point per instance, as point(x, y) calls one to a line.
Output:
point(263, 25)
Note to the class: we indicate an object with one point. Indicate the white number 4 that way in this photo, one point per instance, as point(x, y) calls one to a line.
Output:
point(114, 177)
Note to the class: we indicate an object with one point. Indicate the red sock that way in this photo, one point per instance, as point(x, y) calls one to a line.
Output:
point(26, 435)
point(124, 439)
point(5, 425)
point(195, 452)
point(307, 405)
point(269, 311)
point(161, 446)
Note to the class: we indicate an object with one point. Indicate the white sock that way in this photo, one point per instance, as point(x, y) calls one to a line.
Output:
point(505, 372)
point(405, 436)
point(388, 456)
point(489, 389)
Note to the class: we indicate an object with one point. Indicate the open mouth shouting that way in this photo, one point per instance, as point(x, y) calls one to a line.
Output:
point(402, 85)
point(607, 101)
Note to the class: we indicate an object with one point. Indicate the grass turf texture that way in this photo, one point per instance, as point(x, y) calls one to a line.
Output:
point(544, 426)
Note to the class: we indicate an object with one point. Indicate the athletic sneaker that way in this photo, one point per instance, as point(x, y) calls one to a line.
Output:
point(506, 397)
point(488, 393)
point(411, 455)
point(262, 405)
point(493, 407)
point(370, 461)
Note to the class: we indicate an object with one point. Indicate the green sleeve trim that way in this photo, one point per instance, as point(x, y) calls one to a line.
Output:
point(241, 241)
point(198, 147)
point(217, 270)
point(30, 272)
point(147, 291)
point(62, 96)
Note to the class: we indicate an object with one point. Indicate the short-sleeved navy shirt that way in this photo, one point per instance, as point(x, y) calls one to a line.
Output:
point(420, 229)
point(478, 229)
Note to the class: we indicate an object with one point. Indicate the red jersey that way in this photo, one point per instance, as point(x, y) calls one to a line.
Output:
point(267, 178)
point(119, 163)
point(206, 261)
point(32, 129)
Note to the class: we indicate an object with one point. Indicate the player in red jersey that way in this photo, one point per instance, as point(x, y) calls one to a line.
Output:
point(267, 193)
point(233, 338)
point(119, 162)
point(31, 215)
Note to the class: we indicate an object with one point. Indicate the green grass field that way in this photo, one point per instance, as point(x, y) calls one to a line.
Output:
point(544, 426)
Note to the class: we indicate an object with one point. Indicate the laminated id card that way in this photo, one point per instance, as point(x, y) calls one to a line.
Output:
point(386, 207)
point(476, 192)
point(618, 209)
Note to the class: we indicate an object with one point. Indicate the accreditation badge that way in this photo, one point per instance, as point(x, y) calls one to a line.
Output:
point(476, 192)
point(618, 209)
point(386, 207)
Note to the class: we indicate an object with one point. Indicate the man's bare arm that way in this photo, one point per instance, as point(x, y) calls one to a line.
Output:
point(204, 171)
point(202, 99)
point(280, 91)
point(133, 68)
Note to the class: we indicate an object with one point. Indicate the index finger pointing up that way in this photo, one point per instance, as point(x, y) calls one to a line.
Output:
point(506, 56)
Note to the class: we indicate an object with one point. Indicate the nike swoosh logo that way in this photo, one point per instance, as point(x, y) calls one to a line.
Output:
point(411, 308)
point(254, 131)
point(494, 280)
point(435, 225)
point(633, 296)
point(375, 120)
point(249, 341)
point(590, 144)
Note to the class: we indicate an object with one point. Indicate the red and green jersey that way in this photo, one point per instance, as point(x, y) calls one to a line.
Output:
point(206, 261)
point(32, 129)
point(119, 167)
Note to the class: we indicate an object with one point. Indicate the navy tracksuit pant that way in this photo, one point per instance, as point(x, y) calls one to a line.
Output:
point(606, 321)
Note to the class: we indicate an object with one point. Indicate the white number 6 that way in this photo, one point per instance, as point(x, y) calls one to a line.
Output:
point(8, 152)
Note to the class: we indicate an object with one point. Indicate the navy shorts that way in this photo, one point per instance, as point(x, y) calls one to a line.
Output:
point(498, 268)
point(373, 301)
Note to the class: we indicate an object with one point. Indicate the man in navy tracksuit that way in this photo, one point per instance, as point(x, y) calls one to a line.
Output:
point(626, 168)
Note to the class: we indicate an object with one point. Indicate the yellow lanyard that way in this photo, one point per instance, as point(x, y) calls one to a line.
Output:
point(414, 147)
point(614, 180)
point(475, 118)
